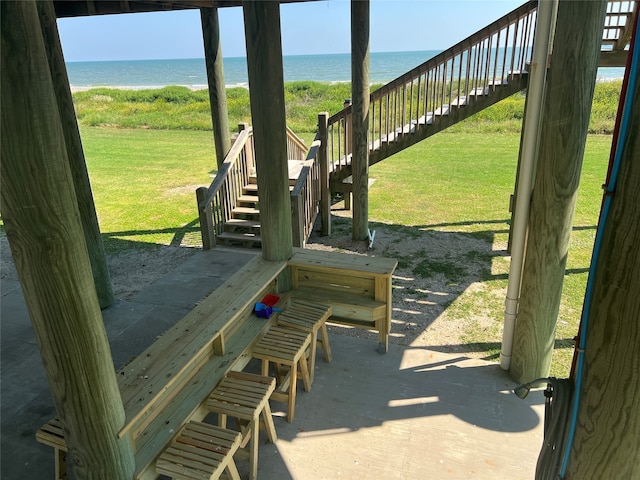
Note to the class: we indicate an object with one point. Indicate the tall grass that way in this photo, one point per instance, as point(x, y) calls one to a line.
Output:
point(178, 108)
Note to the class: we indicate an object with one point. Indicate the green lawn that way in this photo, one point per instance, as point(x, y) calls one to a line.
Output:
point(462, 183)
point(144, 181)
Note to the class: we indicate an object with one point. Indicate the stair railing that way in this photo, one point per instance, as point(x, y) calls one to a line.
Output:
point(216, 203)
point(296, 149)
point(455, 77)
point(305, 197)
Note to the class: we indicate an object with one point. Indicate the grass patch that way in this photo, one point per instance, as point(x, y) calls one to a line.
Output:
point(144, 182)
point(451, 270)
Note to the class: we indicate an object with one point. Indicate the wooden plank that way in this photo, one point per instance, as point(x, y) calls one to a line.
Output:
point(345, 305)
point(327, 261)
point(75, 153)
point(347, 281)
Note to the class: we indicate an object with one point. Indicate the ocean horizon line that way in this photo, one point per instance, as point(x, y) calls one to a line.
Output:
point(191, 73)
point(244, 58)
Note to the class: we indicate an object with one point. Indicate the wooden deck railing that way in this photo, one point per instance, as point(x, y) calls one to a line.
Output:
point(473, 67)
point(305, 197)
point(296, 149)
point(216, 203)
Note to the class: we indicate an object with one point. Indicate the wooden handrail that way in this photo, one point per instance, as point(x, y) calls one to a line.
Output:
point(216, 203)
point(302, 178)
point(223, 172)
point(486, 32)
point(457, 76)
point(297, 142)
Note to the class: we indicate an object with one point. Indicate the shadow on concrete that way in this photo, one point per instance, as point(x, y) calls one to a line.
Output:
point(420, 408)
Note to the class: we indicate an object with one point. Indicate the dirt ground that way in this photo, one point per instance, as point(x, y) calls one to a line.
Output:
point(440, 275)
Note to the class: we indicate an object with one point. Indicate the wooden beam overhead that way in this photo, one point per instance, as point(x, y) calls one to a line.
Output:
point(73, 8)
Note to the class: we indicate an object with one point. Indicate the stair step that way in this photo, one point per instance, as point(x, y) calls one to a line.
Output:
point(295, 167)
point(242, 223)
point(251, 199)
point(246, 211)
point(253, 188)
point(243, 238)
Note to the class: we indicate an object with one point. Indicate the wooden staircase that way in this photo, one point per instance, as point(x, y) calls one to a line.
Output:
point(243, 228)
point(479, 71)
point(472, 75)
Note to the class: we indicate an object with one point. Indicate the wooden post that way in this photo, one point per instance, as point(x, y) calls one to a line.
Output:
point(75, 153)
point(323, 159)
point(206, 220)
point(40, 213)
point(266, 84)
point(360, 117)
point(568, 98)
point(608, 429)
point(348, 134)
point(297, 222)
point(215, 75)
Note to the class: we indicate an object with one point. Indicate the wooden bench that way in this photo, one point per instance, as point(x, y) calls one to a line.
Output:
point(167, 385)
point(357, 287)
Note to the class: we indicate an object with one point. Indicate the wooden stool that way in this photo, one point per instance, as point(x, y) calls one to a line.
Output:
point(245, 396)
point(285, 346)
point(52, 434)
point(309, 317)
point(201, 451)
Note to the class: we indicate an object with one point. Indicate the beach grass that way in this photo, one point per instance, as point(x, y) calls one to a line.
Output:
point(179, 108)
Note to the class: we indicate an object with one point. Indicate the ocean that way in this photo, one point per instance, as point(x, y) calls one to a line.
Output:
point(329, 68)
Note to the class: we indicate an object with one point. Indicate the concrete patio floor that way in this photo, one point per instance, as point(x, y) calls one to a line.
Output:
point(410, 414)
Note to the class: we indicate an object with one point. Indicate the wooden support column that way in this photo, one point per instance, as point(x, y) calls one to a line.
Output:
point(215, 75)
point(608, 429)
point(266, 87)
point(360, 117)
point(77, 162)
point(42, 221)
point(323, 159)
point(568, 98)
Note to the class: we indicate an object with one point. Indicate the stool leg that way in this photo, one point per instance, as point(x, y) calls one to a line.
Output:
point(268, 423)
point(304, 371)
point(265, 367)
point(253, 447)
point(312, 354)
point(292, 392)
point(60, 464)
point(222, 420)
point(232, 471)
point(325, 342)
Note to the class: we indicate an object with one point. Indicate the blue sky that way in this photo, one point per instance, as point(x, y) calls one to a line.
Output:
point(307, 28)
